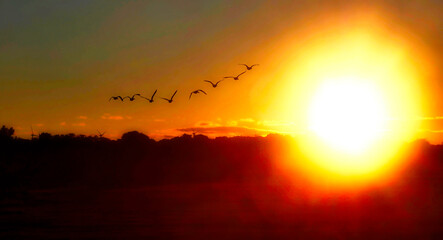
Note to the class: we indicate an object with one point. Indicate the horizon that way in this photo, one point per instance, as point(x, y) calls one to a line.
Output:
point(183, 134)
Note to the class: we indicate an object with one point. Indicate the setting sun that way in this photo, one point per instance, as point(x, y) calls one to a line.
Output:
point(348, 114)
point(355, 94)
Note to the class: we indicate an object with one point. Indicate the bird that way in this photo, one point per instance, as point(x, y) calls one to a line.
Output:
point(196, 92)
point(249, 67)
point(235, 77)
point(116, 98)
point(170, 100)
point(133, 97)
point(152, 97)
point(100, 134)
point(214, 85)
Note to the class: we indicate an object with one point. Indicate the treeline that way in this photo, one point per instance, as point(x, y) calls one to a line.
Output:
point(52, 161)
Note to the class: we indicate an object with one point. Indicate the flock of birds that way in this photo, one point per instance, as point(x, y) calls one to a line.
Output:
point(169, 100)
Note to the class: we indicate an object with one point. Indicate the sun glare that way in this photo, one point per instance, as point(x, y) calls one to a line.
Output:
point(348, 114)
point(353, 94)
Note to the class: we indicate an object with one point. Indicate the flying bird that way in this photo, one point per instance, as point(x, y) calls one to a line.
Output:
point(235, 77)
point(196, 92)
point(214, 85)
point(133, 97)
point(100, 134)
point(170, 100)
point(152, 97)
point(116, 98)
point(249, 67)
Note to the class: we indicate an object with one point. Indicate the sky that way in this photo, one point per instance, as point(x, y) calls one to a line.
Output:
point(60, 62)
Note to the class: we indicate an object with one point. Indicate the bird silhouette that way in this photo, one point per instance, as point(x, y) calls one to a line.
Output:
point(196, 92)
point(170, 100)
point(249, 67)
point(235, 77)
point(214, 85)
point(133, 97)
point(100, 134)
point(152, 97)
point(116, 98)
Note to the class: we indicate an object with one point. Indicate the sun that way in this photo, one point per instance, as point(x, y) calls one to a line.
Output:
point(353, 95)
point(348, 114)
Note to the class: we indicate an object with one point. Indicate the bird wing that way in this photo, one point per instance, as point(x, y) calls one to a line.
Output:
point(120, 97)
point(174, 94)
point(255, 65)
point(244, 65)
point(165, 99)
point(218, 82)
point(126, 97)
point(229, 77)
point(154, 94)
point(190, 95)
point(137, 94)
point(208, 82)
point(111, 98)
point(143, 97)
point(241, 74)
point(202, 91)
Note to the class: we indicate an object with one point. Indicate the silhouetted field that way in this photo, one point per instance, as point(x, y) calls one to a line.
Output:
point(77, 187)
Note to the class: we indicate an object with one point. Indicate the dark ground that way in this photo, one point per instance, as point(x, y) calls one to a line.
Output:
point(76, 187)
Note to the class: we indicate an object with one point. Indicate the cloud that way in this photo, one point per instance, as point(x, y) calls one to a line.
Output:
point(82, 117)
point(241, 127)
point(250, 120)
point(271, 123)
point(431, 130)
point(108, 116)
point(206, 124)
point(81, 124)
point(418, 119)
point(226, 130)
point(431, 118)
point(232, 123)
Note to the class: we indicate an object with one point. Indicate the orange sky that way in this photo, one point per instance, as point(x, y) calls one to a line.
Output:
point(61, 62)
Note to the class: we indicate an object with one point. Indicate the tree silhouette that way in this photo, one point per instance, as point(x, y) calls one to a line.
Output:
point(6, 133)
point(135, 137)
point(44, 136)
